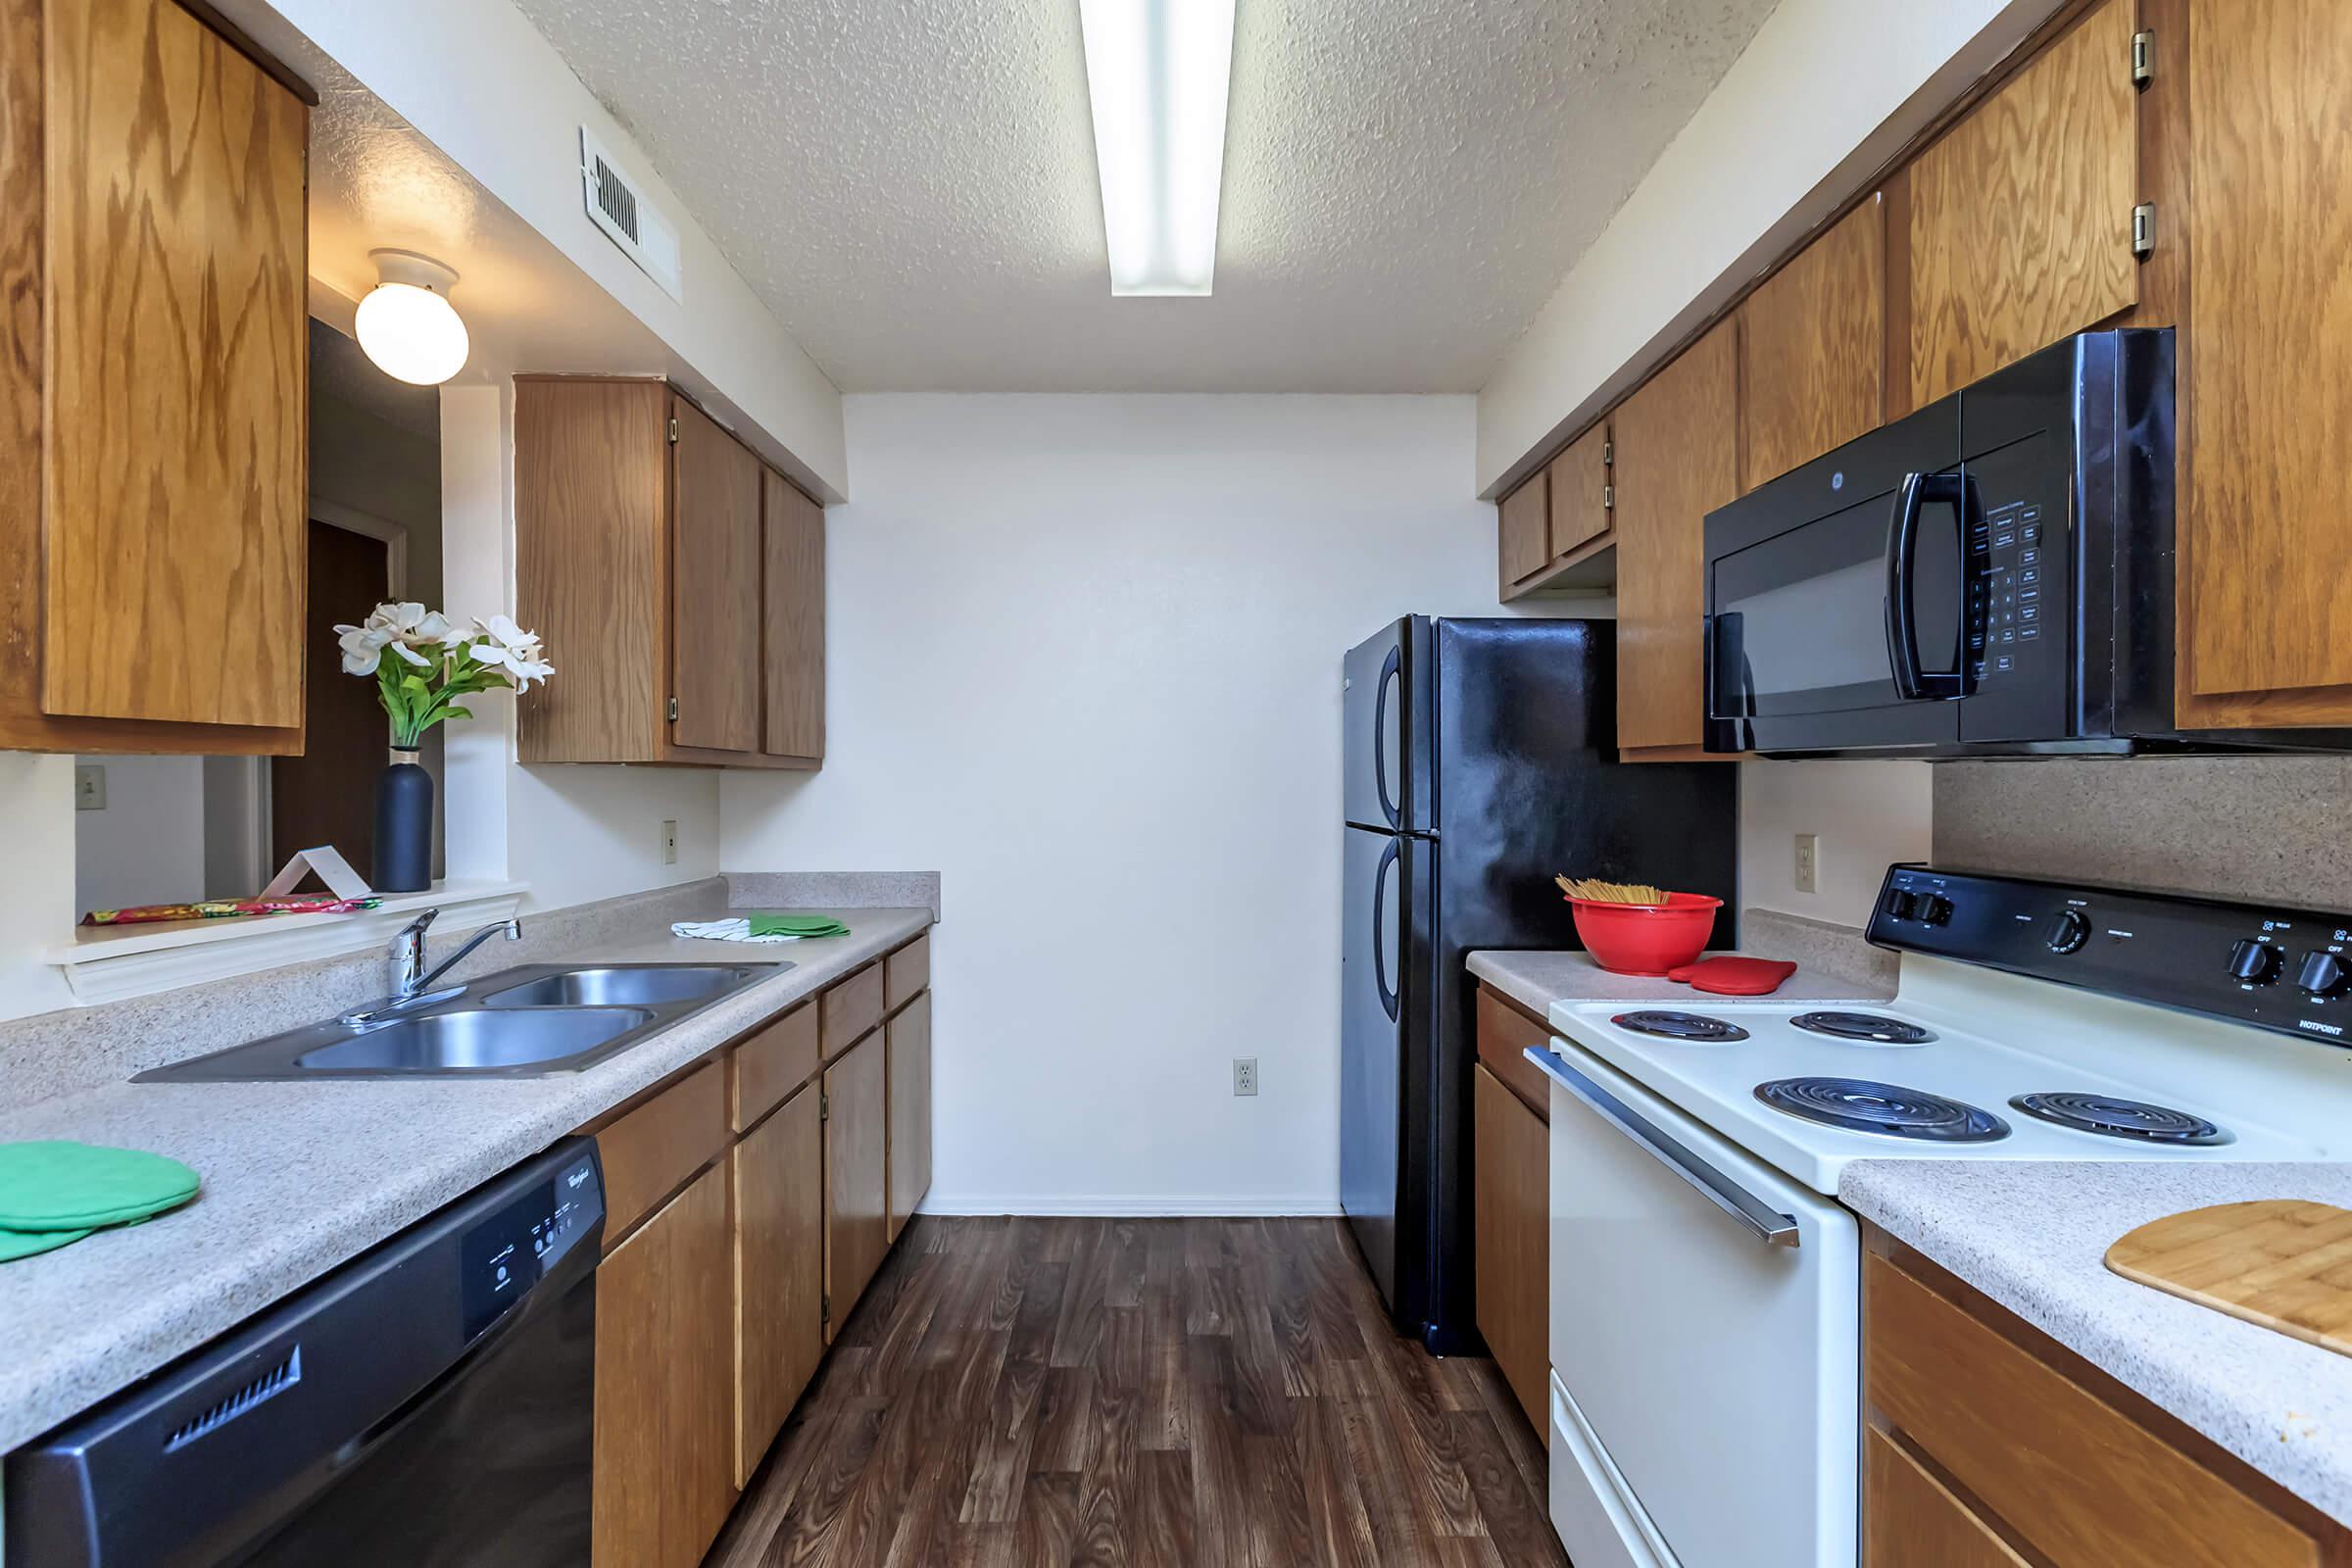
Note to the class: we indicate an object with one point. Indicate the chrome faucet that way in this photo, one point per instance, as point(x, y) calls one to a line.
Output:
point(410, 979)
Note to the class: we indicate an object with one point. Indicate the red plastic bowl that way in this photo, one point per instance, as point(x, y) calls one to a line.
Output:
point(1647, 937)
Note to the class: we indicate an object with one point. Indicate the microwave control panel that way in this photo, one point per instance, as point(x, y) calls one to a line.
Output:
point(2006, 599)
point(2282, 968)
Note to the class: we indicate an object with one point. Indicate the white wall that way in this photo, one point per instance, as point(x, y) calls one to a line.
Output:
point(1083, 660)
point(147, 846)
point(1866, 815)
point(37, 803)
point(1823, 97)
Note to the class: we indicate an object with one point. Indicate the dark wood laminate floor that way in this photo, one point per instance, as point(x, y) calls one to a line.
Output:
point(1167, 1394)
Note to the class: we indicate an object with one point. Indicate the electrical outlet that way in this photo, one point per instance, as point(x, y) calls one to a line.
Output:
point(89, 786)
point(669, 842)
point(1244, 1075)
point(1808, 863)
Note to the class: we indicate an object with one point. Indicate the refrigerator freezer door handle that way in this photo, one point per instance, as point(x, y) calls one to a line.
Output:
point(1389, 1001)
point(1388, 672)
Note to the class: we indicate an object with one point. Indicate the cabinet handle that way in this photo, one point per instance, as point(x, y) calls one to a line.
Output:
point(1771, 1227)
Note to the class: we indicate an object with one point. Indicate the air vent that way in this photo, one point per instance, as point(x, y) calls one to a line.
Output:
point(276, 1381)
point(617, 207)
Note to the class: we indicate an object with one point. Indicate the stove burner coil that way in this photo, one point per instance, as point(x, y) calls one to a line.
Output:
point(1874, 1027)
point(1688, 1026)
point(1858, 1105)
point(2109, 1117)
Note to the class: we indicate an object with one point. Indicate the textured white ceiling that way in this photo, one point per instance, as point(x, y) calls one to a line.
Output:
point(911, 184)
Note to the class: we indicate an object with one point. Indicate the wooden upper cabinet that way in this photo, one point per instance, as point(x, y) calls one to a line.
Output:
point(643, 561)
point(715, 612)
point(2019, 217)
point(2265, 602)
point(1813, 349)
point(153, 531)
point(1578, 485)
point(1523, 525)
point(793, 723)
point(1677, 450)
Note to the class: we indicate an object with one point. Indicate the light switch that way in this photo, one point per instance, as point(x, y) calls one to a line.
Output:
point(89, 786)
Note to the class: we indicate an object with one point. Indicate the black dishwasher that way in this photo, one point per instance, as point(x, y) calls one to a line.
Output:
point(428, 1403)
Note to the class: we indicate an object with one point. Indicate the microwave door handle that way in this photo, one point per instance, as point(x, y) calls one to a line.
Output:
point(1911, 683)
point(1770, 1226)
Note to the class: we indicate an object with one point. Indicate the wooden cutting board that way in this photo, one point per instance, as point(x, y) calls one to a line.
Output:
point(2281, 1263)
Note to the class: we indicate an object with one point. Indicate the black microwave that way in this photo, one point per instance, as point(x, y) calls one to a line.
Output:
point(1991, 574)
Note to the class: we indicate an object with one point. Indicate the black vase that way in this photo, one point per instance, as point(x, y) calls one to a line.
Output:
point(404, 826)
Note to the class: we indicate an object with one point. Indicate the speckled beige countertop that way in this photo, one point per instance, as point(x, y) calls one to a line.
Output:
point(2033, 1236)
point(1538, 980)
point(299, 1177)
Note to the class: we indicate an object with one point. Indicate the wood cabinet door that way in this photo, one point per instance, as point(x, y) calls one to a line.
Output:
point(779, 1175)
point(664, 1445)
point(1577, 480)
point(2020, 226)
point(908, 1039)
point(1511, 1176)
point(1523, 529)
point(1911, 1520)
point(174, 510)
point(715, 575)
point(1677, 440)
point(793, 692)
point(1813, 349)
point(856, 1199)
point(2266, 604)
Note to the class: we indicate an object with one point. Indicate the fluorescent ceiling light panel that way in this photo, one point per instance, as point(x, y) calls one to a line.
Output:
point(1158, 73)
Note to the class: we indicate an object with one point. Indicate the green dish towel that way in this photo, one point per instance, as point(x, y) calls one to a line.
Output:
point(775, 923)
point(53, 1188)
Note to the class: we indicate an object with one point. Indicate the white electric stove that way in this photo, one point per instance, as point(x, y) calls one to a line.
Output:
point(1705, 1292)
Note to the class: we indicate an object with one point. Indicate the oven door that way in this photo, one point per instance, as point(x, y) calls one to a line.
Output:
point(1705, 1329)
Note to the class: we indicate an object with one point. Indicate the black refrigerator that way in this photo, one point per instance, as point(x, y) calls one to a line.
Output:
point(1480, 760)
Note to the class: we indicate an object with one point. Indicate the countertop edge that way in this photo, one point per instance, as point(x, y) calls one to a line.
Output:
point(2159, 1345)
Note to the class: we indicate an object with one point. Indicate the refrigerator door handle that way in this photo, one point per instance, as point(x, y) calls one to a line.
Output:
point(1389, 1001)
point(1388, 673)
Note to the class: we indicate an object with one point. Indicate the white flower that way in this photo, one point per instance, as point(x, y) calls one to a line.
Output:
point(500, 644)
point(403, 626)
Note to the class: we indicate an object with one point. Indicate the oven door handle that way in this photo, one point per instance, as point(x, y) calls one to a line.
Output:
point(1911, 683)
point(1772, 1227)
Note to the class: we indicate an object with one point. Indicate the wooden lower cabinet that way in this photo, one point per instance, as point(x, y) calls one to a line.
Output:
point(749, 1199)
point(857, 1194)
point(664, 1465)
point(908, 1039)
point(779, 1183)
point(1989, 1444)
point(1510, 1179)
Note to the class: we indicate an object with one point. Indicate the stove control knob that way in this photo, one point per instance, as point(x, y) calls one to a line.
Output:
point(1900, 905)
point(2066, 931)
point(1934, 909)
point(2256, 963)
point(2323, 973)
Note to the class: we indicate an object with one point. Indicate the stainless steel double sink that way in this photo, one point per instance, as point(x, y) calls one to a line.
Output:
point(533, 1021)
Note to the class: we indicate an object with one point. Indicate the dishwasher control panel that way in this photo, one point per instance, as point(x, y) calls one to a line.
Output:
point(501, 1258)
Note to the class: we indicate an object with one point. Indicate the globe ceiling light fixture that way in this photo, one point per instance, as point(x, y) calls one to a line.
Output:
point(407, 325)
point(1156, 75)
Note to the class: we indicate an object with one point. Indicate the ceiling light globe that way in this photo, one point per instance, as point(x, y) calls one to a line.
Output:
point(412, 333)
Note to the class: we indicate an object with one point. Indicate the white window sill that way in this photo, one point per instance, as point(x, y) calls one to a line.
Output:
point(108, 964)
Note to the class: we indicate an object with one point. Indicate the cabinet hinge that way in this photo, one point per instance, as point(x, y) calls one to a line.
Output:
point(2143, 229)
point(1608, 454)
point(2143, 58)
point(1608, 497)
point(824, 1309)
point(824, 1107)
point(674, 429)
point(673, 709)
